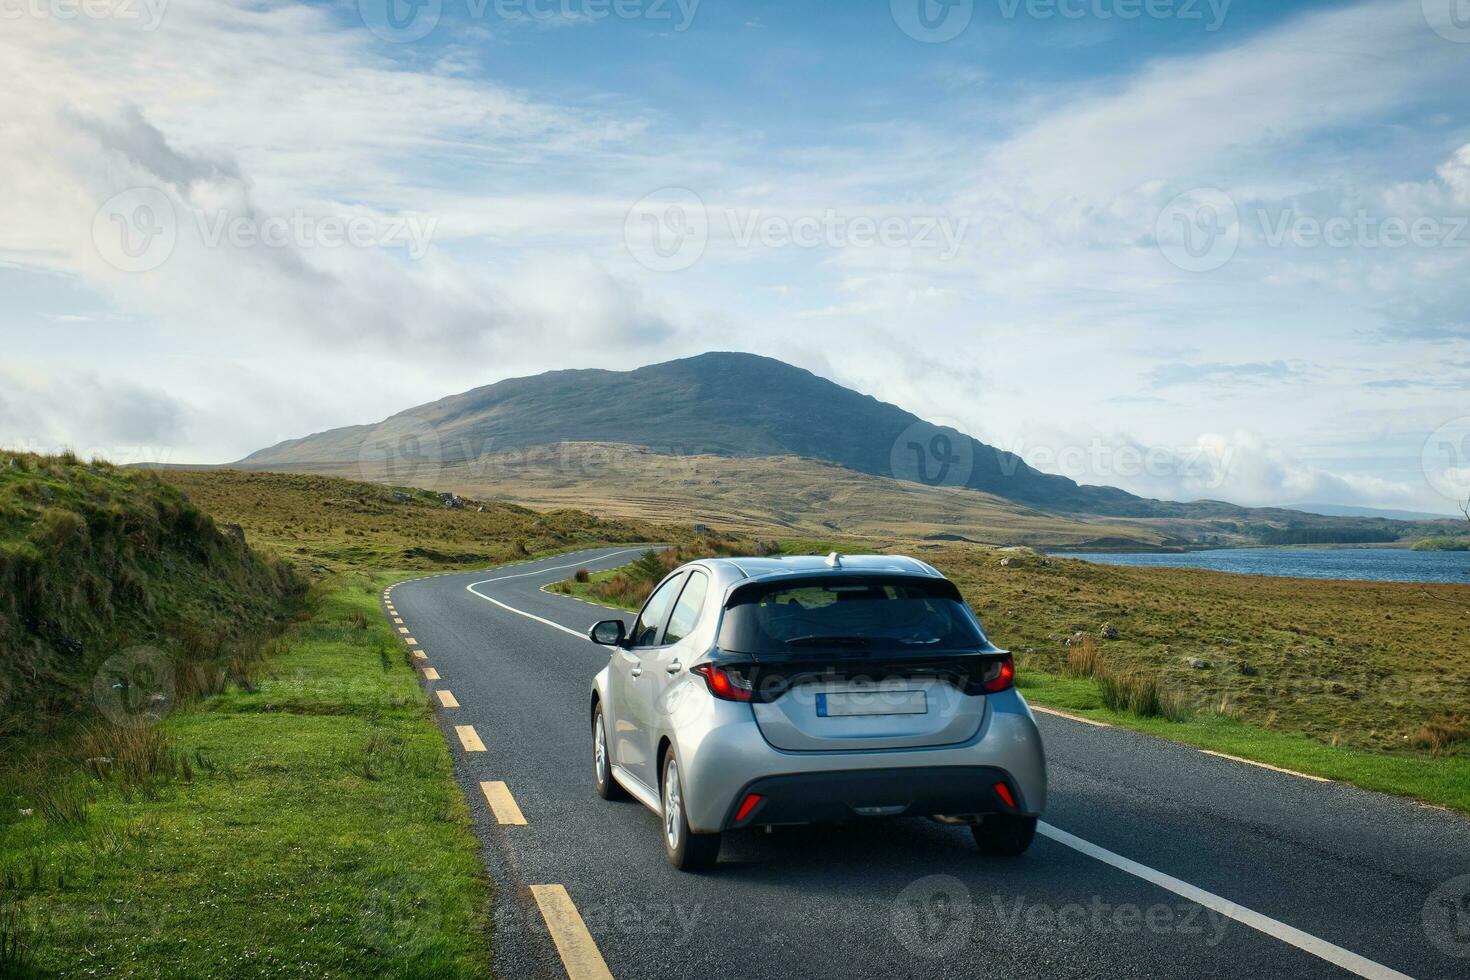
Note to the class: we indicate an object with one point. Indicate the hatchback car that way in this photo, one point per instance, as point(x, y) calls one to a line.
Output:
point(763, 691)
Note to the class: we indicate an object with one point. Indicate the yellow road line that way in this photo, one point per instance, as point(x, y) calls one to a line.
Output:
point(430, 674)
point(420, 655)
point(1264, 765)
point(410, 640)
point(573, 942)
point(468, 738)
point(397, 620)
point(447, 699)
point(502, 804)
point(402, 629)
point(1062, 714)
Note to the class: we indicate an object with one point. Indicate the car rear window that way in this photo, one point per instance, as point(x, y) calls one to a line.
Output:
point(861, 615)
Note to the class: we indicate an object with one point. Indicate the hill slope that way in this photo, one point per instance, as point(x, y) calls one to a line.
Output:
point(723, 404)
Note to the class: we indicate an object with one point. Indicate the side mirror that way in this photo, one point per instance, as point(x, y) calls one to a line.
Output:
point(608, 633)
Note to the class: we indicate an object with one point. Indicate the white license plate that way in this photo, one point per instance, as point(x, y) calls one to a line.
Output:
point(848, 704)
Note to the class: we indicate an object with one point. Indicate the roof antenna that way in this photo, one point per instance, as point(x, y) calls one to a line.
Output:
point(834, 560)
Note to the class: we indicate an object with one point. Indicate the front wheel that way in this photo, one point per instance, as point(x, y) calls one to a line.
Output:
point(685, 849)
point(607, 787)
point(1004, 834)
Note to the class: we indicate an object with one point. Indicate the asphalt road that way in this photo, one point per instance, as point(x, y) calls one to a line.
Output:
point(1158, 861)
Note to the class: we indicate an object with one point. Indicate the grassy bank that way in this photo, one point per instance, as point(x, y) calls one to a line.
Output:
point(269, 800)
point(305, 824)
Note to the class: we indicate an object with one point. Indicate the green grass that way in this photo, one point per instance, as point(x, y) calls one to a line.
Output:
point(1443, 544)
point(1441, 780)
point(313, 830)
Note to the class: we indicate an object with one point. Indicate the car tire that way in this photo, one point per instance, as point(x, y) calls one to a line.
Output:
point(1004, 834)
point(685, 849)
point(607, 787)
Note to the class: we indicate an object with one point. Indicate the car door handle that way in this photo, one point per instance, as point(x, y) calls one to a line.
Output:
point(636, 671)
point(674, 667)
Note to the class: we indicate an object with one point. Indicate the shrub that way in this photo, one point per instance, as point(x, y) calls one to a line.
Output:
point(1440, 734)
point(583, 574)
point(1083, 659)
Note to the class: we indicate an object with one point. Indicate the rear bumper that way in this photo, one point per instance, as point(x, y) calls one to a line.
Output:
point(811, 797)
point(723, 756)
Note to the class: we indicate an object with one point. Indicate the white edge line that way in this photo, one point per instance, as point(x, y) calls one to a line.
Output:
point(1319, 948)
point(1267, 765)
point(553, 568)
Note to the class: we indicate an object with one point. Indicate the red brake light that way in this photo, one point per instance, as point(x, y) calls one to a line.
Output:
point(1004, 792)
point(725, 684)
point(750, 803)
point(1000, 676)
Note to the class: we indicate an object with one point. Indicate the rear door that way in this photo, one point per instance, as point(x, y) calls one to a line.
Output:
point(633, 683)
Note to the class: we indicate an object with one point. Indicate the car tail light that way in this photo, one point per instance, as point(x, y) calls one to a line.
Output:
point(999, 675)
point(728, 685)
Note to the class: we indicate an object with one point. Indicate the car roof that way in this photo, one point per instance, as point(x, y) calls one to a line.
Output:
point(784, 565)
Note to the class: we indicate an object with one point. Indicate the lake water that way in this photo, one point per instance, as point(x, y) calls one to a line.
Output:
point(1374, 564)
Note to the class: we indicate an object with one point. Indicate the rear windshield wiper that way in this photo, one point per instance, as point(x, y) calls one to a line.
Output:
point(829, 641)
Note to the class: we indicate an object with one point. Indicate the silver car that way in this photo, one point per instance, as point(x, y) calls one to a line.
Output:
point(763, 691)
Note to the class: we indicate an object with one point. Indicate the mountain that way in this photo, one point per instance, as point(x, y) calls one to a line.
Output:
point(1347, 510)
point(722, 404)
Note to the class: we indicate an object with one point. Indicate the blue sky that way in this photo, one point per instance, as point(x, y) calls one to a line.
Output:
point(1190, 249)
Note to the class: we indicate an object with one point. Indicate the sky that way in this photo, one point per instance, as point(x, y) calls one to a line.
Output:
point(1191, 248)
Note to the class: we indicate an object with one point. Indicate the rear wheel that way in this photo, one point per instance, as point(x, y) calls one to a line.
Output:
point(685, 849)
point(607, 787)
point(1004, 834)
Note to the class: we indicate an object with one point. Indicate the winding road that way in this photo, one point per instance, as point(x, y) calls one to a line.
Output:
point(1155, 859)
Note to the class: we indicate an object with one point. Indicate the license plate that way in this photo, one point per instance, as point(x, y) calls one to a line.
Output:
point(850, 703)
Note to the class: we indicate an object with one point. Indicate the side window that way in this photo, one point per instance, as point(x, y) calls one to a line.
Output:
point(655, 610)
point(686, 611)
